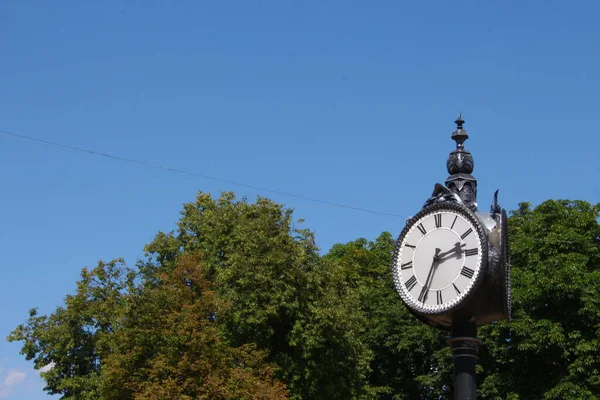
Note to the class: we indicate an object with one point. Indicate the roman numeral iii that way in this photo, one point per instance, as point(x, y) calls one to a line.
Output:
point(471, 252)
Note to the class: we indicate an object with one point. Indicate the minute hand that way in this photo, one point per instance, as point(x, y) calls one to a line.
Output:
point(425, 290)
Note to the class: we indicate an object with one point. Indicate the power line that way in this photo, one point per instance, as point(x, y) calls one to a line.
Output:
point(194, 174)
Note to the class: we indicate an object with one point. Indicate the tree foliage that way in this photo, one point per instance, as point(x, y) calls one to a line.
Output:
point(237, 303)
point(74, 339)
point(171, 347)
point(281, 299)
point(551, 349)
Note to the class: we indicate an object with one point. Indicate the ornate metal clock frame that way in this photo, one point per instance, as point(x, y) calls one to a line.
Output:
point(487, 295)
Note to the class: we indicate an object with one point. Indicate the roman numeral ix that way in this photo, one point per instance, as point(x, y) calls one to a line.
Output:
point(407, 265)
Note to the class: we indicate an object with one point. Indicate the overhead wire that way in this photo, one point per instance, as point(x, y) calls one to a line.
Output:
point(195, 175)
point(198, 175)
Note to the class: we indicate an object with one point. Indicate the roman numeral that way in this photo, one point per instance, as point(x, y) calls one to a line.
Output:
point(438, 220)
point(411, 246)
point(422, 229)
point(411, 283)
point(423, 295)
point(468, 272)
point(455, 288)
point(407, 265)
point(471, 252)
point(439, 297)
point(467, 233)
point(453, 222)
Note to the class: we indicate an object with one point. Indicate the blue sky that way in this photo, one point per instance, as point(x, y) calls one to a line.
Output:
point(346, 101)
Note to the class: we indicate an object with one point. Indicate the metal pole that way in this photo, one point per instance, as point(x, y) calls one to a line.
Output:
point(464, 345)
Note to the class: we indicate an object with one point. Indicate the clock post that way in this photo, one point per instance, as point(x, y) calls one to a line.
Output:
point(465, 346)
point(451, 266)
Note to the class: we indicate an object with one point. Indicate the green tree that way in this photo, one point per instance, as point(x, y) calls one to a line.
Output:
point(257, 306)
point(170, 346)
point(283, 298)
point(551, 349)
point(116, 340)
point(76, 338)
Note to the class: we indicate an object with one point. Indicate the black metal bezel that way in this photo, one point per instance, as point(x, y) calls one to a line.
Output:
point(480, 275)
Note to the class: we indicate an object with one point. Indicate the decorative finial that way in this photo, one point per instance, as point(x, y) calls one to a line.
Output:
point(460, 167)
point(459, 122)
point(459, 135)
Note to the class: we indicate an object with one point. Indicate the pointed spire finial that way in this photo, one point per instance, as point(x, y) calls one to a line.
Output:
point(459, 135)
point(459, 122)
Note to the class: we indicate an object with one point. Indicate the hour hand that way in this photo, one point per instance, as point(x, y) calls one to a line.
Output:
point(457, 250)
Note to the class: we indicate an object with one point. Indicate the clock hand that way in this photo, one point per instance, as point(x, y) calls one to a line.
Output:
point(425, 289)
point(456, 249)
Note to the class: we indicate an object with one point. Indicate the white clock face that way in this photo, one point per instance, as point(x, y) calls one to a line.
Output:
point(439, 260)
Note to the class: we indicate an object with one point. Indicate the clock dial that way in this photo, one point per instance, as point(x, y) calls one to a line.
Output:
point(439, 258)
